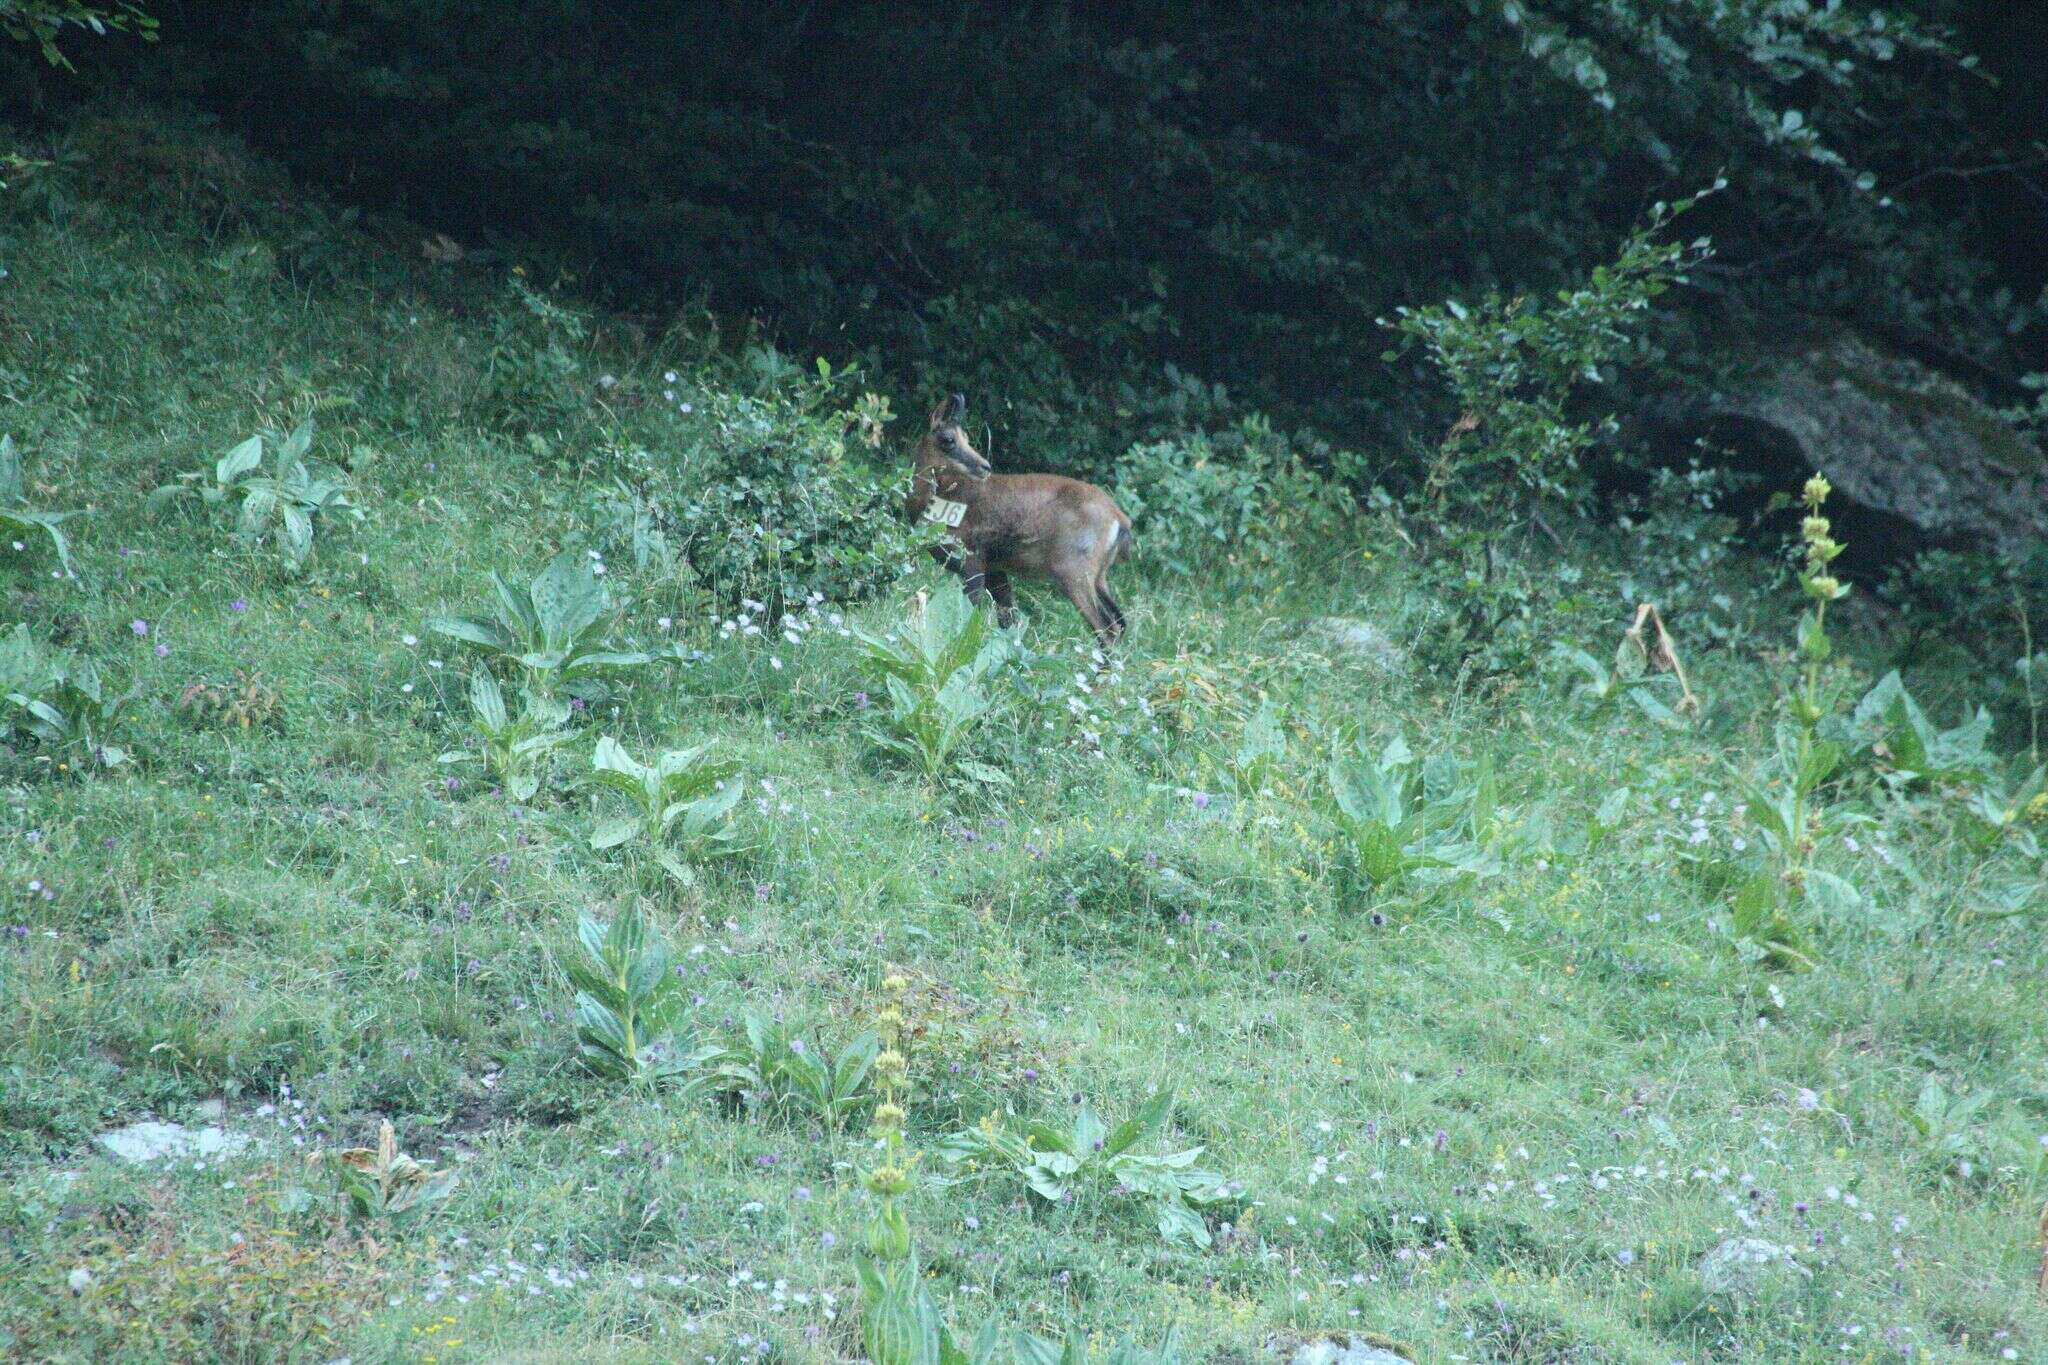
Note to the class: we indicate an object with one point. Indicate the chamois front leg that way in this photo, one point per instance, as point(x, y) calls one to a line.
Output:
point(973, 571)
point(1006, 602)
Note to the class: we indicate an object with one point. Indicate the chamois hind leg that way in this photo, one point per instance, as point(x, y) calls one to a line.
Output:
point(1112, 611)
point(1080, 590)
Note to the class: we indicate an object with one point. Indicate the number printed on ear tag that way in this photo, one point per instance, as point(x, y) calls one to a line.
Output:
point(945, 513)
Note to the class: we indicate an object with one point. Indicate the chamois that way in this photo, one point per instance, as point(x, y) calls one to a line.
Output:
point(1037, 524)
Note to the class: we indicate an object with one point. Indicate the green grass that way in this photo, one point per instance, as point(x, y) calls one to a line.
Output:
point(1504, 1124)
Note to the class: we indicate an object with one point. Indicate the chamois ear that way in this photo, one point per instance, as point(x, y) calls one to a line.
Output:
point(938, 417)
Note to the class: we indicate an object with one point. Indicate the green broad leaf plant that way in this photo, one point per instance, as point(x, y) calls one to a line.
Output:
point(1396, 822)
point(60, 700)
point(935, 670)
point(1090, 1158)
point(20, 523)
point(684, 793)
point(551, 627)
point(629, 1003)
point(901, 1322)
point(512, 748)
point(280, 506)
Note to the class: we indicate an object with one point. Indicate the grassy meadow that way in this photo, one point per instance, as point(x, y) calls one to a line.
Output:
point(1495, 1110)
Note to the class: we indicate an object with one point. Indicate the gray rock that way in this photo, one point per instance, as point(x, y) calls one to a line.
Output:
point(151, 1141)
point(1362, 640)
point(1894, 435)
point(1347, 1350)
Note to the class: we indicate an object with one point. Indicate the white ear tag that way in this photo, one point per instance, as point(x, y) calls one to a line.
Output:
point(944, 512)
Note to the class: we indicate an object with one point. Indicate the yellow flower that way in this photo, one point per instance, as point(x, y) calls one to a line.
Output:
point(1817, 490)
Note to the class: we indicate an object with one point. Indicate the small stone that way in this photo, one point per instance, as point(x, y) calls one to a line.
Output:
point(1741, 1266)
point(1345, 1350)
point(152, 1141)
point(1362, 640)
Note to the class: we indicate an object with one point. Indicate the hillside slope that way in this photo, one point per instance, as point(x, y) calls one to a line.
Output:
point(1498, 1114)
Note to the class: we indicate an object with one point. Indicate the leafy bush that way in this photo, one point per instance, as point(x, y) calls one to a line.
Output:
point(771, 1065)
point(1394, 824)
point(284, 502)
point(1512, 365)
point(383, 1182)
point(512, 749)
point(42, 22)
point(1513, 368)
point(680, 785)
point(1090, 1158)
point(934, 669)
point(60, 700)
point(628, 1003)
point(1913, 751)
point(533, 375)
point(552, 627)
point(1240, 497)
point(19, 522)
point(760, 500)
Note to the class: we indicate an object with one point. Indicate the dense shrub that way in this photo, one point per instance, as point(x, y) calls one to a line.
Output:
point(1240, 495)
point(759, 499)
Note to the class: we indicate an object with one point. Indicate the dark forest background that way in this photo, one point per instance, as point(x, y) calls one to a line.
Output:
point(1087, 215)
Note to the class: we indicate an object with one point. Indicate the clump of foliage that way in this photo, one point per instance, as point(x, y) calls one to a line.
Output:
point(681, 785)
point(245, 704)
point(533, 382)
point(1093, 1160)
point(282, 503)
point(19, 522)
point(552, 628)
point(759, 498)
point(60, 700)
point(1513, 367)
point(629, 1004)
point(1630, 678)
point(934, 670)
point(1260, 752)
point(1979, 1137)
point(512, 749)
point(1241, 498)
point(43, 22)
point(382, 1182)
point(1914, 751)
point(1244, 244)
point(1396, 821)
point(770, 1064)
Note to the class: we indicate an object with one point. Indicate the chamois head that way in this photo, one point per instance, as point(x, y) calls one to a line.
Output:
point(945, 441)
